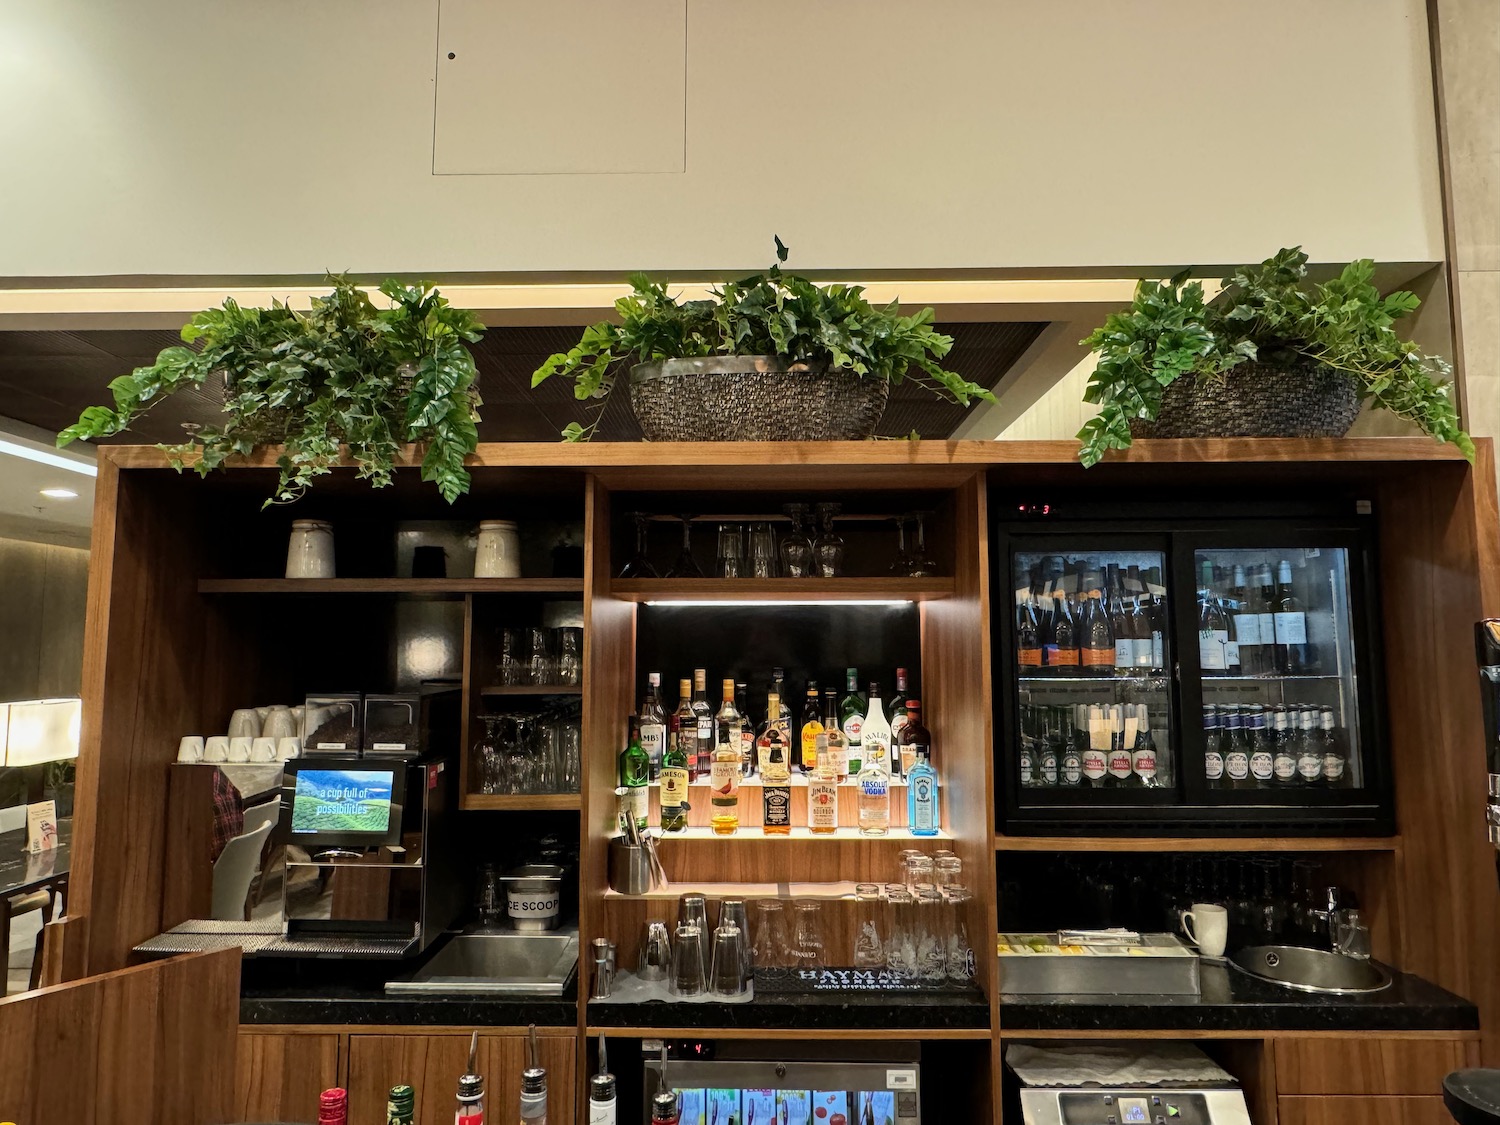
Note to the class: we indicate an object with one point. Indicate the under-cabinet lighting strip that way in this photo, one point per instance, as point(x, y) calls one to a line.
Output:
point(706, 603)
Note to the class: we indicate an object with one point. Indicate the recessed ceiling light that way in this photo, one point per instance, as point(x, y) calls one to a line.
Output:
point(43, 457)
point(59, 494)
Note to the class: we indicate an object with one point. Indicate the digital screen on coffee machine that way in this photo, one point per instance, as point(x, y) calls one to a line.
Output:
point(334, 804)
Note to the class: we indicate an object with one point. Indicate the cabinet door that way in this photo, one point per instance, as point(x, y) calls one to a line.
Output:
point(432, 1065)
point(1362, 1111)
point(280, 1076)
point(1369, 1065)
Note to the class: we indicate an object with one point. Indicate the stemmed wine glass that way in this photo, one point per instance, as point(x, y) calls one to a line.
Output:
point(686, 566)
point(640, 564)
point(920, 564)
point(796, 547)
point(901, 567)
point(828, 549)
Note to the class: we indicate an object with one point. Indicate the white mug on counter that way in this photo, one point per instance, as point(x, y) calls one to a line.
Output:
point(190, 748)
point(288, 748)
point(1207, 926)
point(216, 748)
point(239, 749)
point(263, 750)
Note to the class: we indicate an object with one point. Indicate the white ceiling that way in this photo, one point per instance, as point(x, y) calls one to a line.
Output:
point(24, 512)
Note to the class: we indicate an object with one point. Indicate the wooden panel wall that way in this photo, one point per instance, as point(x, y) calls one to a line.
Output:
point(279, 1076)
point(151, 1045)
point(42, 601)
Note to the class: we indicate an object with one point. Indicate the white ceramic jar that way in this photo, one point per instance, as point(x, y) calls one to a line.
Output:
point(309, 554)
point(499, 553)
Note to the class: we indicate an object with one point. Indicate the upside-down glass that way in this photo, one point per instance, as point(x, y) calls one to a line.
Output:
point(869, 949)
point(808, 950)
point(686, 566)
point(919, 873)
point(763, 561)
point(828, 548)
point(570, 656)
point(769, 950)
point(901, 944)
point(931, 937)
point(796, 545)
point(687, 977)
point(727, 977)
point(959, 954)
point(731, 556)
point(514, 657)
point(639, 565)
point(732, 913)
point(902, 564)
point(571, 749)
point(947, 870)
point(487, 752)
point(921, 565)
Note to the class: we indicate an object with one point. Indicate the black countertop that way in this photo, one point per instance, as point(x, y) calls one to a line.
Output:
point(846, 1011)
point(1234, 1001)
point(369, 1006)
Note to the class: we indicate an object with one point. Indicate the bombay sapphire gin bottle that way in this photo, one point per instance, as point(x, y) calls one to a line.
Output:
point(922, 796)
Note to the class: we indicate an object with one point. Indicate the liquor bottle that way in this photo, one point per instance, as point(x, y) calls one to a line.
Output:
point(831, 743)
point(852, 718)
point(1264, 587)
point(897, 707)
point(635, 774)
point(1048, 749)
point(1293, 655)
point(775, 776)
point(812, 728)
point(675, 774)
point(1213, 747)
point(682, 730)
point(470, 1109)
point(1335, 754)
point(401, 1106)
point(703, 719)
point(333, 1107)
point(1156, 612)
point(1096, 758)
point(1069, 750)
point(1096, 651)
point(874, 796)
point(1283, 752)
point(875, 734)
point(1262, 747)
point(603, 1108)
point(534, 1087)
point(1121, 744)
point(913, 737)
point(778, 685)
point(1236, 755)
point(823, 797)
point(1143, 754)
point(1246, 624)
point(1140, 622)
point(747, 724)
point(653, 724)
point(922, 813)
point(1213, 628)
point(1309, 745)
point(666, 1107)
point(1060, 656)
point(1028, 631)
point(726, 768)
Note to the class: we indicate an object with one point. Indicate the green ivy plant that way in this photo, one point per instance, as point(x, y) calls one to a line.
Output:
point(772, 313)
point(343, 374)
point(1270, 314)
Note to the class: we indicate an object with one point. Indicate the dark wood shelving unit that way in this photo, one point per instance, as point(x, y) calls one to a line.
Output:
point(549, 802)
point(532, 689)
point(778, 589)
point(397, 587)
point(1223, 844)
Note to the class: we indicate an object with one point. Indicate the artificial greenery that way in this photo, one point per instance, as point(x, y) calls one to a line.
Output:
point(344, 373)
point(773, 313)
point(1266, 313)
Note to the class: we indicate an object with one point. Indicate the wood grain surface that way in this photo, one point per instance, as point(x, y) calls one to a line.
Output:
point(279, 1075)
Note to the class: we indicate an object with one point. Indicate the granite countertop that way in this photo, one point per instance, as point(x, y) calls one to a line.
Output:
point(369, 1006)
point(1234, 1001)
point(851, 1011)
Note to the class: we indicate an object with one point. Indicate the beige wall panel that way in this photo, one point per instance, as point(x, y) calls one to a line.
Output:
point(182, 138)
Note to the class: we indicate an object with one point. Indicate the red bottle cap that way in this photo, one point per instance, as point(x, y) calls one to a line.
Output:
point(333, 1107)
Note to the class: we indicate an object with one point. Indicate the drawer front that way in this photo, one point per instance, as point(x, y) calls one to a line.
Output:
point(1367, 1065)
point(1362, 1111)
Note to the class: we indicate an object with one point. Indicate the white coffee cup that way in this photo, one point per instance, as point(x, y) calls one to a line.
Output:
point(278, 723)
point(1207, 926)
point(190, 748)
point(263, 750)
point(239, 749)
point(216, 748)
point(288, 748)
point(244, 723)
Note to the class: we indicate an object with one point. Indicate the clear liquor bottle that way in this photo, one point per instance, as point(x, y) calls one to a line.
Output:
point(653, 724)
point(682, 730)
point(874, 797)
point(922, 812)
point(831, 743)
point(703, 718)
point(724, 777)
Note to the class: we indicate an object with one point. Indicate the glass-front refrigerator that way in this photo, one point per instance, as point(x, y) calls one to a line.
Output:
point(1192, 675)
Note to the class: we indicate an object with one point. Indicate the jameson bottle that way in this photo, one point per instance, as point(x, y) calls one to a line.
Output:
point(674, 788)
point(653, 724)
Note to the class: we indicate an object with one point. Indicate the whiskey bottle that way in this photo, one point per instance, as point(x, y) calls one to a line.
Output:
point(775, 790)
point(653, 724)
point(747, 727)
point(831, 743)
point(812, 728)
point(913, 738)
point(682, 730)
point(897, 709)
point(703, 717)
point(823, 798)
point(674, 789)
point(724, 775)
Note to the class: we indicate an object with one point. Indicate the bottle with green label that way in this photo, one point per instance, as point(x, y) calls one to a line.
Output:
point(635, 774)
point(401, 1106)
point(852, 720)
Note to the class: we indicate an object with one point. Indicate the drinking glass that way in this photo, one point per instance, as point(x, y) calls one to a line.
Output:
point(919, 873)
point(808, 950)
point(571, 750)
point(931, 941)
point(828, 548)
point(656, 952)
point(490, 898)
point(686, 566)
point(903, 857)
point(947, 870)
point(570, 656)
point(728, 977)
point(796, 546)
point(959, 953)
point(543, 665)
point(692, 910)
point(491, 761)
point(763, 562)
point(515, 664)
point(731, 556)
point(901, 945)
point(769, 950)
point(544, 754)
point(921, 566)
point(732, 913)
point(639, 565)
point(515, 731)
point(869, 950)
point(901, 567)
point(687, 976)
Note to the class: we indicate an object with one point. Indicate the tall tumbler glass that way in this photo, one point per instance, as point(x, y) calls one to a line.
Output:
point(687, 977)
point(571, 737)
point(769, 950)
point(692, 910)
point(808, 949)
point(543, 663)
point(869, 948)
point(731, 557)
point(901, 945)
point(763, 560)
point(570, 656)
point(959, 956)
point(732, 913)
point(931, 942)
point(515, 664)
point(728, 978)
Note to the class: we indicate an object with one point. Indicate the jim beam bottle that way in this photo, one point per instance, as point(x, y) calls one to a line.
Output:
point(775, 777)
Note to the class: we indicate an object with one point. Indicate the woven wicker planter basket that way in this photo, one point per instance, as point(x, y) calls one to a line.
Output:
point(753, 398)
point(1256, 400)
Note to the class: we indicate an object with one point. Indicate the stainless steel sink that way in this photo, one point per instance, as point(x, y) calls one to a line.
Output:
point(1310, 970)
point(496, 964)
